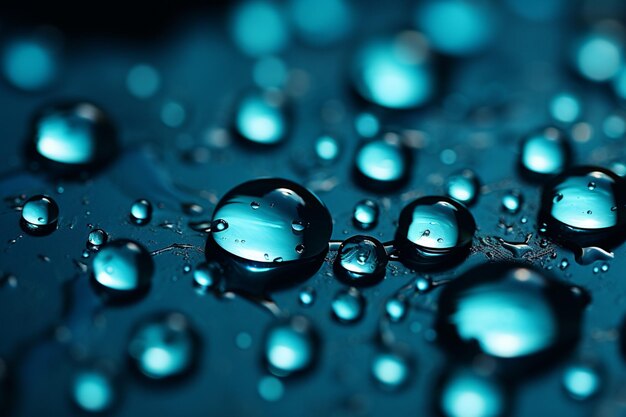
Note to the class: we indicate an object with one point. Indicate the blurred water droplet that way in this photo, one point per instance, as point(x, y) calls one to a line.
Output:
point(463, 186)
point(382, 164)
point(93, 391)
point(512, 201)
point(327, 148)
point(290, 347)
point(259, 27)
point(348, 306)
point(261, 119)
point(270, 388)
point(321, 22)
point(143, 81)
point(173, 114)
point(544, 152)
point(307, 296)
point(30, 64)
point(141, 212)
point(581, 380)
point(396, 308)
point(40, 215)
point(465, 393)
point(366, 125)
point(365, 214)
point(391, 370)
point(206, 276)
point(565, 107)
point(598, 56)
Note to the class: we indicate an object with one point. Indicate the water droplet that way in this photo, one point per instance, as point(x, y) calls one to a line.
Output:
point(261, 119)
point(123, 268)
point(173, 114)
point(367, 125)
point(565, 107)
point(143, 81)
point(30, 64)
point(322, 22)
point(259, 28)
point(511, 312)
point(164, 346)
point(465, 393)
point(512, 201)
point(141, 212)
point(614, 126)
point(270, 388)
point(598, 56)
point(307, 296)
point(544, 152)
point(361, 260)
point(270, 72)
point(348, 306)
point(243, 340)
point(564, 264)
point(96, 238)
point(463, 186)
point(433, 231)
point(581, 214)
point(382, 164)
point(365, 214)
point(391, 370)
point(327, 148)
point(40, 215)
point(581, 380)
point(290, 347)
point(423, 284)
point(93, 390)
point(396, 308)
point(73, 136)
point(394, 72)
point(206, 276)
point(267, 258)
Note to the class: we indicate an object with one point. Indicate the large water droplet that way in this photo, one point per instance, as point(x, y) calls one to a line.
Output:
point(73, 136)
point(361, 260)
point(463, 186)
point(290, 347)
point(93, 390)
point(261, 118)
point(365, 214)
point(394, 72)
point(164, 347)
point(261, 248)
point(123, 268)
point(511, 312)
point(40, 215)
point(585, 206)
point(383, 164)
point(348, 306)
point(466, 393)
point(544, 152)
point(433, 231)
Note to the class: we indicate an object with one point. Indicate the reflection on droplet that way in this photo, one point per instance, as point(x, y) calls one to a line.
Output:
point(141, 212)
point(260, 119)
point(361, 260)
point(282, 241)
point(544, 152)
point(348, 306)
point(123, 268)
point(394, 72)
point(40, 215)
point(164, 347)
point(463, 186)
point(290, 347)
point(508, 311)
point(433, 231)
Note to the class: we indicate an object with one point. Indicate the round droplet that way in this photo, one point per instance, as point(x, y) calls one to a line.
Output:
point(432, 231)
point(40, 215)
point(543, 153)
point(270, 72)
point(581, 380)
point(465, 393)
point(141, 212)
point(259, 27)
point(396, 308)
point(290, 347)
point(348, 306)
point(390, 370)
point(456, 27)
point(361, 260)
point(143, 81)
point(382, 164)
point(164, 347)
point(565, 108)
point(598, 56)
point(206, 276)
point(367, 124)
point(327, 148)
point(511, 312)
point(73, 136)
point(394, 72)
point(123, 268)
point(321, 22)
point(423, 284)
point(261, 119)
point(614, 126)
point(271, 389)
point(577, 213)
point(93, 391)
point(307, 296)
point(173, 114)
point(512, 201)
point(365, 214)
point(97, 238)
point(463, 186)
point(30, 64)
point(259, 248)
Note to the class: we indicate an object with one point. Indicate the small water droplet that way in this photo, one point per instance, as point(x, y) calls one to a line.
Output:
point(290, 347)
point(361, 260)
point(327, 148)
point(391, 370)
point(465, 393)
point(261, 120)
point(382, 164)
point(96, 238)
point(512, 201)
point(581, 380)
point(141, 212)
point(463, 186)
point(40, 215)
point(206, 276)
point(544, 152)
point(270, 388)
point(396, 308)
point(307, 296)
point(365, 214)
point(93, 390)
point(348, 306)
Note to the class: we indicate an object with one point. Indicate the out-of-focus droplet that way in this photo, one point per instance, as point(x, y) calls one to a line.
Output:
point(164, 347)
point(394, 72)
point(143, 81)
point(598, 56)
point(463, 186)
point(141, 212)
point(614, 126)
point(456, 27)
point(390, 370)
point(93, 391)
point(290, 347)
point(97, 238)
point(510, 312)
point(327, 148)
point(565, 107)
point(396, 308)
point(307, 296)
point(581, 380)
point(512, 201)
point(321, 22)
point(74, 136)
point(123, 268)
point(348, 306)
point(40, 215)
point(259, 27)
point(261, 119)
point(282, 241)
point(361, 260)
point(270, 72)
point(433, 231)
point(465, 393)
point(585, 206)
point(544, 152)
point(383, 164)
point(206, 276)
point(173, 114)
point(30, 64)
point(365, 214)
point(270, 388)
point(367, 125)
